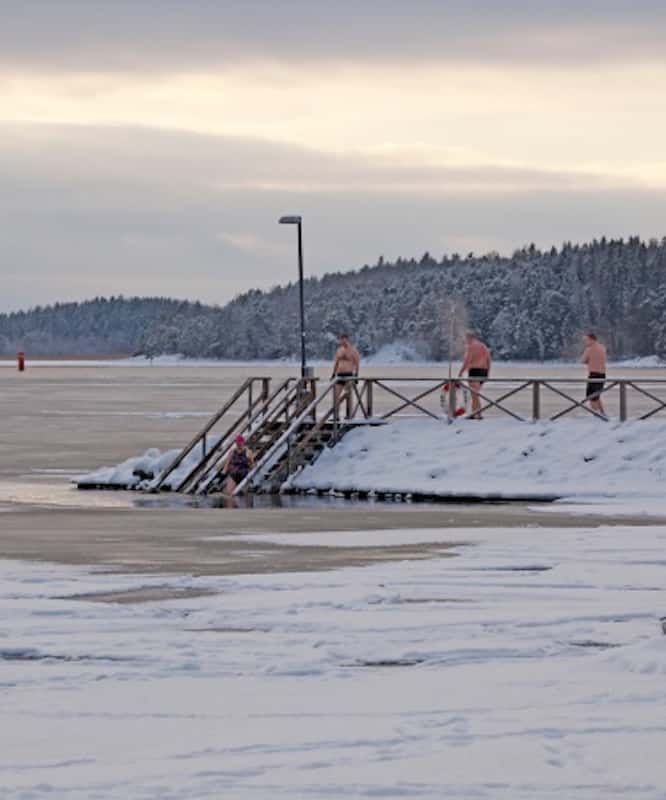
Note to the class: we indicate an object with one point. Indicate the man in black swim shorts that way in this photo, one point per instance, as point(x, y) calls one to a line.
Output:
point(477, 364)
point(478, 372)
point(595, 358)
point(346, 365)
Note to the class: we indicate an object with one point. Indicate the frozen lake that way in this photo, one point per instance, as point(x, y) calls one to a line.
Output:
point(316, 651)
point(61, 421)
point(529, 665)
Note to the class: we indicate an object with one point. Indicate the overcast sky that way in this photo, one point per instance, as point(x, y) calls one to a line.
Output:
point(149, 146)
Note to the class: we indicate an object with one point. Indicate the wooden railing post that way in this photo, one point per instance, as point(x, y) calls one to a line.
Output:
point(300, 395)
point(623, 401)
point(536, 400)
point(348, 397)
point(336, 409)
point(452, 399)
point(368, 396)
point(313, 396)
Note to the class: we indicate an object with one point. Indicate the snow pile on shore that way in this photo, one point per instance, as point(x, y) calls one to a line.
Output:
point(491, 459)
point(496, 458)
point(140, 471)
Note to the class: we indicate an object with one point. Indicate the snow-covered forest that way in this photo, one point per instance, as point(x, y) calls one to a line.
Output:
point(531, 305)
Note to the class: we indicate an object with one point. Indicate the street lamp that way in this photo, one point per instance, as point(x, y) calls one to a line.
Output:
point(296, 220)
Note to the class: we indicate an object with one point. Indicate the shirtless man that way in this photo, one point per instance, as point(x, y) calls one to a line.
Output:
point(346, 364)
point(477, 365)
point(594, 357)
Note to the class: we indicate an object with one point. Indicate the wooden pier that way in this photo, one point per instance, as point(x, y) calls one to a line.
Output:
point(289, 424)
point(286, 427)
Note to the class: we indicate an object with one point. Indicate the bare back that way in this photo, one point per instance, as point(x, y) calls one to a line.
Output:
point(595, 357)
point(477, 356)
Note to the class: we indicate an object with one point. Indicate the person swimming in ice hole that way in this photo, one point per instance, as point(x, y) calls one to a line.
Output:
point(238, 464)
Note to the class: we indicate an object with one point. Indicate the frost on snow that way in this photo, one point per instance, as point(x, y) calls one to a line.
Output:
point(530, 665)
point(497, 458)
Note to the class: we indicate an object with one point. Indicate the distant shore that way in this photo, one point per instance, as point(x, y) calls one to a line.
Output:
point(372, 361)
point(11, 359)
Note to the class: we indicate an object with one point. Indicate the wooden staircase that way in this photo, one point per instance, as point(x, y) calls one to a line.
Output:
point(255, 411)
point(304, 448)
point(319, 425)
point(286, 428)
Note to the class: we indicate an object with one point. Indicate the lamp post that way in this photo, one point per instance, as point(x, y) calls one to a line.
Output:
point(297, 220)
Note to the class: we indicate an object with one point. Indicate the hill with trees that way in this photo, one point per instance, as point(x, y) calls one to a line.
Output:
point(531, 305)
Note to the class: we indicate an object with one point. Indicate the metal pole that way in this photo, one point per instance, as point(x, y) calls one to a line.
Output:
point(265, 390)
point(302, 302)
point(452, 388)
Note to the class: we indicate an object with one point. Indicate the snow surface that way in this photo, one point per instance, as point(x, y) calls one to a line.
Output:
point(640, 362)
point(531, 665)
point(132, 472)
point(617, 507)
point(577, 458)
point(497, 458)
point(395, 353)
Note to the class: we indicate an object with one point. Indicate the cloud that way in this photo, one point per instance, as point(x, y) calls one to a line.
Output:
point(158, 160)
point(172, 35)
point(88, 211)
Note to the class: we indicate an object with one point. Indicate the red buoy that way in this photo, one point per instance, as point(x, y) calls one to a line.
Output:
point(20, 361)
point(460, 410)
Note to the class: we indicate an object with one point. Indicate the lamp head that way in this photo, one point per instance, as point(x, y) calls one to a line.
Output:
point(291, 220)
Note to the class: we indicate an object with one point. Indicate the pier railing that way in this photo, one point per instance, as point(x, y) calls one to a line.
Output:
point(288, 425)
point(523, 399)
point(254, 408)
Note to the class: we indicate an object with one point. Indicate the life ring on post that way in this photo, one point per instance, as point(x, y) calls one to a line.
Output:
point(461, 394)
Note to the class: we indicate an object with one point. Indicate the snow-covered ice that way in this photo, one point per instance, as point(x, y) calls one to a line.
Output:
point(144, 469)
point(497, 458)
point(617, 507)
point(530, 665)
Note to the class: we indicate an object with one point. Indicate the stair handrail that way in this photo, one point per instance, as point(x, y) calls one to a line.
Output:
point(178, 460)
point(295, 425)
point(223, 450)
point(317, 428)
point(211, 459)
point(334, 411)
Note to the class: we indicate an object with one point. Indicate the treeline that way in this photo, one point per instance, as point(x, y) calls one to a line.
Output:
point(531, 305)
point(103, 326)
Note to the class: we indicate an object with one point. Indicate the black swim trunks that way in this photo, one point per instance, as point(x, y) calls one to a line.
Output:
point(479, 373)
point(594, 388)
point(345, 375)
